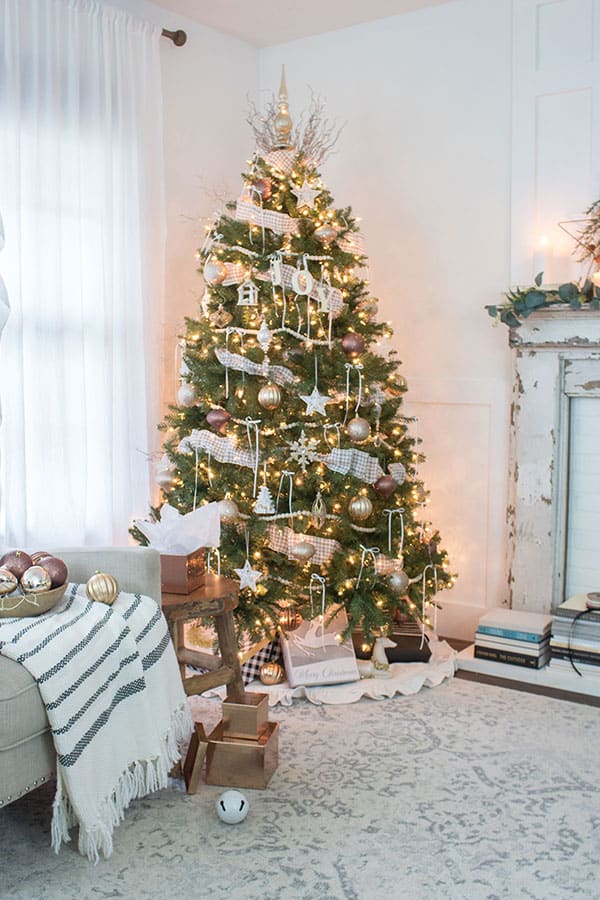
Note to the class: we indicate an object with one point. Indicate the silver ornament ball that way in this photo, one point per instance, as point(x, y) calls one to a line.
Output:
point(35, 580)
point(269, 396)
point(214, 271)
point(8, 581)
point(228, 511)
point(398, 581)
point(303, 551)
point(360, 508)
point(358, 430)
point(165, 479)
point(325, 233)
point(186, 395)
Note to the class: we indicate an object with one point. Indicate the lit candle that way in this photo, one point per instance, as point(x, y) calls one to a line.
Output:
point(542, 259)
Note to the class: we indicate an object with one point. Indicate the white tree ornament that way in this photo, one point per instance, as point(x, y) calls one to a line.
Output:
point(248, 576)
point(316, 402)
point(305, 195)
point(247, 293)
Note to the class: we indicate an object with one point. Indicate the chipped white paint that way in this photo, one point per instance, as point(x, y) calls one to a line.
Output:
point(556, 357)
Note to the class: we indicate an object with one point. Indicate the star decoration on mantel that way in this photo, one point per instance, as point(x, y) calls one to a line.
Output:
point(316, 402)
point(305, 195)
point(248, 576)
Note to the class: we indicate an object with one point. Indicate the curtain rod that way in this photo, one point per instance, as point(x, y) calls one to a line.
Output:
point(178, 37)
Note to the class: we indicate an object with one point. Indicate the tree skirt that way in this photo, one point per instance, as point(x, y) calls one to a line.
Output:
point(405, 678)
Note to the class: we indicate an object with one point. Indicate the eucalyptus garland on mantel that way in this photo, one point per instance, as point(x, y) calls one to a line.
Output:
point(521, 302)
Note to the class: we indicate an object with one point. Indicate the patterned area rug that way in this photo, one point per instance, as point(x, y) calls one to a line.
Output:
point(464, 791)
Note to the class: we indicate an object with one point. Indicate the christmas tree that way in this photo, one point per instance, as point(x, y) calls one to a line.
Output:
point(288, 415)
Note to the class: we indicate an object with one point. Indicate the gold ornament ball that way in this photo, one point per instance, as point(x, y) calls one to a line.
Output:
point(102, 588)
point(289, 619)
point(303, 551)
point(325, 233)
point(358, 430)
point(228, 511)
point(269, 396)
point(8, 581)
point(214, 271)
point(398, 581)
point(36, 580)
point(360, 508)
point(272, 673)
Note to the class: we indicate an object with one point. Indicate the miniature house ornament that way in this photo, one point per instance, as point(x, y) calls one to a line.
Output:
point(247, 293)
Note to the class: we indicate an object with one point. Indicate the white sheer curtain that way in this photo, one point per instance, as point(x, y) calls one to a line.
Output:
point(81, 192)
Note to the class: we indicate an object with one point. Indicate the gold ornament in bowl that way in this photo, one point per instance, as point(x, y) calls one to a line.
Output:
point(272, 673)
point(36, 580)
point(20, 605)
point(8, 581)
point(102, 588)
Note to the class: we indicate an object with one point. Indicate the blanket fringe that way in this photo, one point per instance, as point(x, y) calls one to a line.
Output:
point(141, 778)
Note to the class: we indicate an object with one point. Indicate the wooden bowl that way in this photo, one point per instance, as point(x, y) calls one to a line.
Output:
point(17, 605)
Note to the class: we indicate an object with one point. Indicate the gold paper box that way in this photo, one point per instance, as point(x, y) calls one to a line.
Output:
point(246, 718)
point(180, 574)
point(239, 763)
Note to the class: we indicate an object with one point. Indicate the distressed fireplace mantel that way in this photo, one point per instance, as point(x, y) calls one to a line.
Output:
point(556, 356)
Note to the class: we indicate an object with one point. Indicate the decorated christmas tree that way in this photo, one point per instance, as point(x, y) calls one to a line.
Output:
point(288, 415)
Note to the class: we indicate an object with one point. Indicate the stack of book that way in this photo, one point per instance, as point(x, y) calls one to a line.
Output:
point(514, 637)
point(576, 642)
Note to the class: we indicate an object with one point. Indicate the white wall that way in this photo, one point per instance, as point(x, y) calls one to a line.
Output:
point(206, 143)
point(424, 159)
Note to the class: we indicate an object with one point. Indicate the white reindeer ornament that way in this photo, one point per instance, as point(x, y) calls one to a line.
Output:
point(378, 666)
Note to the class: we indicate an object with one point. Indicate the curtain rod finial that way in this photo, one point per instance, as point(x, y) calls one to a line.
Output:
point(178, 37)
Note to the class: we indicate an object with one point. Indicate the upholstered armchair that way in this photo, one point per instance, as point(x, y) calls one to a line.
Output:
point(27, 757)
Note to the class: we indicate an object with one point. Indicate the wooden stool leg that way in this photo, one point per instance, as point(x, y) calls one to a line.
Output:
point(229, 654)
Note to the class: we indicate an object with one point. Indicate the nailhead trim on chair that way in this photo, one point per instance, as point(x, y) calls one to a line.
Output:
point(29, 787)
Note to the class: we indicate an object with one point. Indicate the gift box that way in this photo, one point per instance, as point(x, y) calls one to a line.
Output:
point(314, 653)
point(240, 763)
point(182, 573)
point(409, 645)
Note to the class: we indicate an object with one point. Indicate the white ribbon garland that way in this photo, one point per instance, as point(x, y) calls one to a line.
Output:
point(286, 474)
point(196, 477)
point(390, 513)
point(366, 553)
point(435, 590)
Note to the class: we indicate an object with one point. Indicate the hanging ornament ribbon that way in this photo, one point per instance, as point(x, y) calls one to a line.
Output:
point(390, 513)
point(366, 553)
point(335, 427)
point(253, 442)
point(358, 367)
point(290, 475)
point(217, 553)
point(435, 590)
point(317, 582)
point(196, 476)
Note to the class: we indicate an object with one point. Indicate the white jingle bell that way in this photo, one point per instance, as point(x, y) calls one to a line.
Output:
point(359, 430)
point(232, 807)
point(228, 511)
point(398, 581)
point(303, 551)
point(214, 271)
point(186, 395)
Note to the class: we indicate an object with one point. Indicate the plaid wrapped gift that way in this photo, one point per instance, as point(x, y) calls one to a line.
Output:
point(265, 652)
point(278, 222)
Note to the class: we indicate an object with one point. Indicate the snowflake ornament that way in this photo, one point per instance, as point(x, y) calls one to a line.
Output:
point(303, 451)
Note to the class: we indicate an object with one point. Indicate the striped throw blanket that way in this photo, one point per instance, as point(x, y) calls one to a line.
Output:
point(110, 682)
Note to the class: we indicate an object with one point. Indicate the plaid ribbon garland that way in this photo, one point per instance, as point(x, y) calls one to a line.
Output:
point(385, 565)
point(353, 242)
point(220, 448)
point(353, 462)
point(278, 374)
point(282, 540)
point(398, 472)
point(281, 159)
point(280, 223)
point(235, 274)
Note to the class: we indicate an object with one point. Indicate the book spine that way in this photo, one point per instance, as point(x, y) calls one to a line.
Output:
point(511, 634)
point(510, 644)
point(592, 659)
point(510, 657)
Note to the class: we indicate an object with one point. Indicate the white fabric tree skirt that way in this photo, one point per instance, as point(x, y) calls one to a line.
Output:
point(405, 678)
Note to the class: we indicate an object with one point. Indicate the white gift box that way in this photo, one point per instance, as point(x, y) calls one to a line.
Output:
point(315, 654)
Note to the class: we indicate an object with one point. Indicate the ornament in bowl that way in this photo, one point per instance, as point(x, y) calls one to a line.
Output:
point(30, 585)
